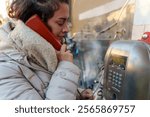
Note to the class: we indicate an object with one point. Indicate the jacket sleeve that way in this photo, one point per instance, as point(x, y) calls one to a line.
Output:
point(13, 85)
point(64, 82)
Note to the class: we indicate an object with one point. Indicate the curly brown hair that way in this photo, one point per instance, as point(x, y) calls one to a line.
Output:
point(24, 9)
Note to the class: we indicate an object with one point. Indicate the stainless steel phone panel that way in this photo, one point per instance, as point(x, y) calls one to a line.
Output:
point(127, 71)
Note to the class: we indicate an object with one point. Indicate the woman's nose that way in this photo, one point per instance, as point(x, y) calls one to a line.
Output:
point(66, 28)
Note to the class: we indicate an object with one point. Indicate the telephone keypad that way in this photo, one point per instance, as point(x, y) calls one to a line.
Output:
point(115, 78)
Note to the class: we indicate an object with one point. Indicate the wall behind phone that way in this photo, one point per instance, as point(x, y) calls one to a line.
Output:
point(141, 19)
point(91, 27)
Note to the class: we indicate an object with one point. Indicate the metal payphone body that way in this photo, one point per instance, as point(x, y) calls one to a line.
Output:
point(127, 71)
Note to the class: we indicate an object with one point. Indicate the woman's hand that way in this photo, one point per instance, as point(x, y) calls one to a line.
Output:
point(64, 54)
point(86, 94)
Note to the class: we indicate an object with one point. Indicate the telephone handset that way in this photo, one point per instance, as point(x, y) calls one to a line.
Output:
point(36, 24)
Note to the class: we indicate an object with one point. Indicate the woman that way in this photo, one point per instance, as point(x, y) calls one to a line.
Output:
point(30, 68)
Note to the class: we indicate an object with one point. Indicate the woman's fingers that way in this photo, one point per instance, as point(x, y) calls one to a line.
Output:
point(87, 94)
point(64, 54)
point(63, 48)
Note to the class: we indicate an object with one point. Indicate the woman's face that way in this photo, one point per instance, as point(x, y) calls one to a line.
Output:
point(59, 22)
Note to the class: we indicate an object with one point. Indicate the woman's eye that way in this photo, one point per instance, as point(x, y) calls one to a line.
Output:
point(60, 23)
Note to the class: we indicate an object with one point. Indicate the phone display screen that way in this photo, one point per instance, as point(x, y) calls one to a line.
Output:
point(119, 61)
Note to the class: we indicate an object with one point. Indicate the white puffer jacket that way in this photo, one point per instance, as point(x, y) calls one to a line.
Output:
point(29, 69)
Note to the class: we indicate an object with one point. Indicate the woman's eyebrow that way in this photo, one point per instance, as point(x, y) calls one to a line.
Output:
point(64, 19)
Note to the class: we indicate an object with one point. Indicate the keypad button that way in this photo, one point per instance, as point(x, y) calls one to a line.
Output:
point(120, 75)
point(119, 83)
point(120, 79)
point(109, 80)
point(119, 86)
point(117, 78)
point(109, 77)
point(110, 74)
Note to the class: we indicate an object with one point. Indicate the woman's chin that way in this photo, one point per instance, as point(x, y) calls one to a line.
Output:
point(60, 39)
